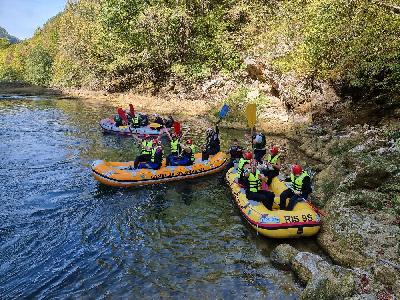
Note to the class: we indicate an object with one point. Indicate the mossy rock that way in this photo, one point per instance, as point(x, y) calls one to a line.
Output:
point(283, 255)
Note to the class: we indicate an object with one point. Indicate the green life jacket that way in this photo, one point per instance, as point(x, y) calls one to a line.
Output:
point(254, 182)
point(273, 159)
point(146, 144)
point(192, 158)
point(135, 121)
point(297, 182)
point(240, 167)
point(153, 154)
point(175, 145)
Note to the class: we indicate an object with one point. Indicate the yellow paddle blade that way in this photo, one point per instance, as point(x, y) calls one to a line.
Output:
point(251, 114)
point(155, 125)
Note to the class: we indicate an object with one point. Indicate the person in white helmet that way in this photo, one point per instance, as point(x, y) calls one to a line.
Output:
point(212, 145)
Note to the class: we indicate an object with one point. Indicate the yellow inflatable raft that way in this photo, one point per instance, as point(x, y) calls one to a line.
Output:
point(302, 221)
point(121, 174)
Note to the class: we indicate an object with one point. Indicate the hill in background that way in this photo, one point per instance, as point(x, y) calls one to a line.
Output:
point(6, 35)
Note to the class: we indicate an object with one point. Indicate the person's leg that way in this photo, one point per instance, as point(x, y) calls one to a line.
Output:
point(271, 174)
point(141, 158)
point(268, 198)
point(293, 201)
point(255, 196)
point(205, 155)
point(285, 194)
point(168, 159)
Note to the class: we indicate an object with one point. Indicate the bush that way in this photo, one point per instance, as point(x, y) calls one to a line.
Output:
point(38, 66)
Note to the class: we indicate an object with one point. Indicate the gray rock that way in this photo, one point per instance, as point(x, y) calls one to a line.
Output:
point(324, 281)
point(282, 256)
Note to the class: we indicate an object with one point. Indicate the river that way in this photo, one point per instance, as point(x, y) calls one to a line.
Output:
point(62, 234)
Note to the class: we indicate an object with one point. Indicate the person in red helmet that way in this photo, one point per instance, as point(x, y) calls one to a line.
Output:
point(299, 190)
point(236, 153)
point(273, 164)
point(253, 186)
point(242, 165)
point(146, 150)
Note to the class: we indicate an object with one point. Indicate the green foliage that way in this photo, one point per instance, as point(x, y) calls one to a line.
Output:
point(4, 43)
point(117, 44)
point(352, 41)
point(38, 66)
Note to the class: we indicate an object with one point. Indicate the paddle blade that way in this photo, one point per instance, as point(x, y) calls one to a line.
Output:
point(251, 110)
point(131, 110)
point(224, 111)
point(177, 127)
point(122, 115)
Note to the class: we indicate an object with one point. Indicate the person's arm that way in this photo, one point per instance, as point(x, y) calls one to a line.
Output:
point(277, 165)
point(306, 188)
point(217, 129)
point(168, 134)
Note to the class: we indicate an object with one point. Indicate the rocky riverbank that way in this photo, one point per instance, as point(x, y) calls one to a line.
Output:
point(358, 188)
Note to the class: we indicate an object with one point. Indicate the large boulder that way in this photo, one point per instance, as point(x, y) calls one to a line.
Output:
point(324, 281)
point(355, 238)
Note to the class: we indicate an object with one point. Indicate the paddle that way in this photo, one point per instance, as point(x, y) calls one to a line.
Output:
point(177, 128)
point(122, 114)
point(223, 112)
point(251, 117)
point(132, 110)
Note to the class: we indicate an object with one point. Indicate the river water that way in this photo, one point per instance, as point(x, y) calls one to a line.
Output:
point(62, 234)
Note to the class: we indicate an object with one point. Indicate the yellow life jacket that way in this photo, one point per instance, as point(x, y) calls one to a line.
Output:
point(254, 182)
point(146, 144)
point(297, 182)
point(273, 159)
point(192, 158)
point(240, 167)
point(174, 145)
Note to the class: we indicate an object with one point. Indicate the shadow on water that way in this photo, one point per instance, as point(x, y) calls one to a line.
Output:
point(65, 235)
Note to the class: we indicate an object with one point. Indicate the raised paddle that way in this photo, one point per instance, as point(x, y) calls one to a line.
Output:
point(251, 116)
point(177, 127)
point(223, 112)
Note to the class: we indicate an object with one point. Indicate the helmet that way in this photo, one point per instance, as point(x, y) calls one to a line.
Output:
point(297, 169)
point(258, 139)
point(174, 135)
point(210, 131)
point(247, 155)
point(189, 142)
point(274, 150)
